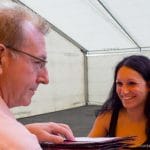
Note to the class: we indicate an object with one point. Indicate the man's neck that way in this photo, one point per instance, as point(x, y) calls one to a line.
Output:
point(5, 109)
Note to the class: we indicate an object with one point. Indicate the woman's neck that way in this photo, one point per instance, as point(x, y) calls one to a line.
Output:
point(136, 114)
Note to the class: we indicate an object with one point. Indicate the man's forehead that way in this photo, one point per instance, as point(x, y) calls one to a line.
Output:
point(33, 38)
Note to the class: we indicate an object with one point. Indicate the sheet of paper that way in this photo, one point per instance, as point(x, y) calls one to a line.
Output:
point(88, 139)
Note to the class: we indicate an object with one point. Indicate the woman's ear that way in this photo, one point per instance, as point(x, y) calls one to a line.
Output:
point(148, 85)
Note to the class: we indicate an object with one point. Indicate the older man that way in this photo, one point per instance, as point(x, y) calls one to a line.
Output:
point(22, 69)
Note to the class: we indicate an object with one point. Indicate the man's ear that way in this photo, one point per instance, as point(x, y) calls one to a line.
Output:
point(2, 49)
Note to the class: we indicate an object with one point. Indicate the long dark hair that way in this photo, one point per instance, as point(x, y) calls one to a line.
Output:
point(141, 64)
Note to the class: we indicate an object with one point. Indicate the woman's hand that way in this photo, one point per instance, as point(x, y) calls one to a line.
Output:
point(51, 132)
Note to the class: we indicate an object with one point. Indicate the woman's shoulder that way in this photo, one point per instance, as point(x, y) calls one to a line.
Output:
point(106, 115)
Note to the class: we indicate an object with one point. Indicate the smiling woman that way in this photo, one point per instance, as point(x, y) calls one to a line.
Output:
point(131, 88)
point(126, 111)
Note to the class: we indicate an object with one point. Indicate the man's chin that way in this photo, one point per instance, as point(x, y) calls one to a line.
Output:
point(26, 102)
point(22, 103)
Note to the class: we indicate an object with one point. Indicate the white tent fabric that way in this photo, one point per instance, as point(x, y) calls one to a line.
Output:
point(134, 16)
point(92, 26)
point(107, 30)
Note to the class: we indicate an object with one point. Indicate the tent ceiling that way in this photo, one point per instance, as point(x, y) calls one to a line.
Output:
point(88, 23)
point(134, 15)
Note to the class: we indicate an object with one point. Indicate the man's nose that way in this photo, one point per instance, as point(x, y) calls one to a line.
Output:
point(43, 77)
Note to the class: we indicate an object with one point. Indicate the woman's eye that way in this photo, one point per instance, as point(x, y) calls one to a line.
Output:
point(118, 83)
point(132, 83)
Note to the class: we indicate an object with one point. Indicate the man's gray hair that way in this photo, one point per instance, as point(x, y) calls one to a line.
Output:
point(12, 16)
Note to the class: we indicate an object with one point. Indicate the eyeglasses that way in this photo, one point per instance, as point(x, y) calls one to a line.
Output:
point(42, 61)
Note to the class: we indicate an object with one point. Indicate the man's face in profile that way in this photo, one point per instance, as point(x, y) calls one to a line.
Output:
point(23, 73)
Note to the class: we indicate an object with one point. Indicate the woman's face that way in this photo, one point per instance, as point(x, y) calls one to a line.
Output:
point(131, 88)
